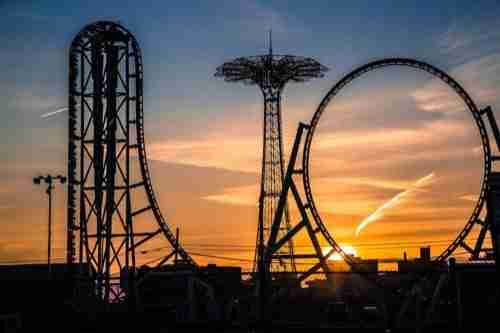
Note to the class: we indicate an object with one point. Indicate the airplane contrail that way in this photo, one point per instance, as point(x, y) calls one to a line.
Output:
point(51, 113)
point(379, 212)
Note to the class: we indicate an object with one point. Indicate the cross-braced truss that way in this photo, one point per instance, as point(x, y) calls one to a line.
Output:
point(112, 210)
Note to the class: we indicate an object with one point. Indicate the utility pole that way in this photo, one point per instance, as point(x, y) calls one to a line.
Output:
point(49, 179)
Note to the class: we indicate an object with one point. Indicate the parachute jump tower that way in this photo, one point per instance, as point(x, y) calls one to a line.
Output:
point(271, 72)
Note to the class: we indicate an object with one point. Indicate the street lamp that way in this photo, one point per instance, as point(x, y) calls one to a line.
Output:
point(49, 179)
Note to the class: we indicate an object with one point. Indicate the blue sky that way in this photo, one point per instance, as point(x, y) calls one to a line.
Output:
point(188, 111)
point(184, 41)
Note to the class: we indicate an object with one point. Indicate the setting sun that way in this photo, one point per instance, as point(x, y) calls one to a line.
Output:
point(349, 249)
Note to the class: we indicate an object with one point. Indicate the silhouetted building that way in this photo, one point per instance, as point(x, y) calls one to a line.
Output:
point(476, 294)
point(29, 291)
point(419, 265)
point(187, 292)
point(226, 280)
point(425, 253)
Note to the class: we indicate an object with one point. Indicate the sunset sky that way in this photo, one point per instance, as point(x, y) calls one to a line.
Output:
point(395, 134)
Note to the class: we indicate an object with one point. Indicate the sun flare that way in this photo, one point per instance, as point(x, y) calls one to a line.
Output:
point(349, 249)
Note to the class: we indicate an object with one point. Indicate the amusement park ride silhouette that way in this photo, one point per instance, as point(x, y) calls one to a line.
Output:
point(271, 72)
point(106, 130)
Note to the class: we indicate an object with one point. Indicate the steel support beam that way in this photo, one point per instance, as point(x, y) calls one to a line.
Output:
point(105, 84)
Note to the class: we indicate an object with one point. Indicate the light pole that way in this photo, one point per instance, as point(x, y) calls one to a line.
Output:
point(49, 181)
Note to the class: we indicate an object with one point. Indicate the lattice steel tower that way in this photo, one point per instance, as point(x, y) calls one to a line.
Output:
point(271, 72)
point(113, 214)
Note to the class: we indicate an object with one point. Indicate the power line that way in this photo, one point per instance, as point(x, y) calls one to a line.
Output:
point(221, 257)
point(383, 244)
point(29, 261)
point(228, 247)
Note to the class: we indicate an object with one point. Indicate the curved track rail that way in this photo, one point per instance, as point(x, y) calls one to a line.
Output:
point(144, 162)
point(453, 84)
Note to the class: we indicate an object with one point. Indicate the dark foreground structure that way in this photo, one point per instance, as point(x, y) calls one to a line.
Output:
point(105, 285)
point(107, 197)
point(213, 298)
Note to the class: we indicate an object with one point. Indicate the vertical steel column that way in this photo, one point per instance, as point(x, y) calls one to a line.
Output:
point(110, 166)
point(129, 242)
point(97, 122)
point(71, 203)
point(83, 211)
point(493, 199)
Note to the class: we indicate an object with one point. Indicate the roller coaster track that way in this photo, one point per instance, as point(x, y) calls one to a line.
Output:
point(310, 218)
point(107, 56)
point(144, 164)
point(455, 86)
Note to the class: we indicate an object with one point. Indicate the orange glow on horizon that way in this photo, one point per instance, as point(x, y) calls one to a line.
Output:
point(349, 249)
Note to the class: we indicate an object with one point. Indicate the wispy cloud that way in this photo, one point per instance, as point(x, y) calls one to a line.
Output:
point(379, 183)
point(479, 77)
point(242, 196)
point(253, 19)
point(467, 40)
point(259, 16)
point(470, 197)
point(433, 135)
point(473, 50)
point(240, 154)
